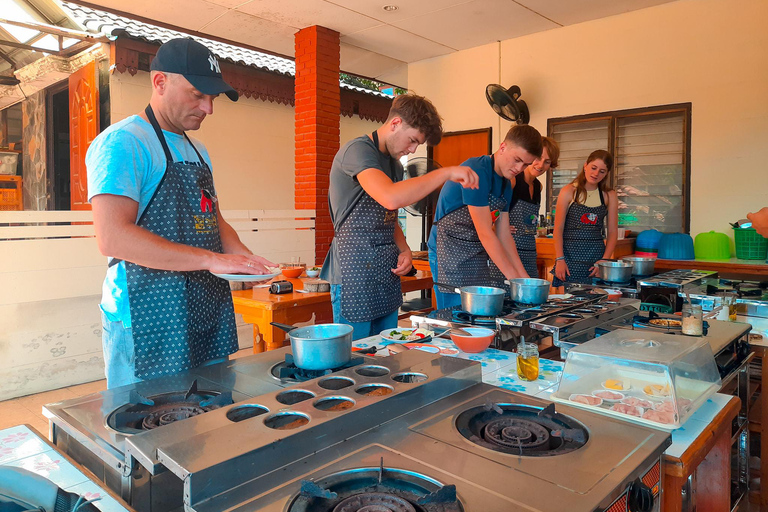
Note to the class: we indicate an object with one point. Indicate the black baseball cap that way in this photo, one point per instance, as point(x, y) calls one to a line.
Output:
point(187, 57)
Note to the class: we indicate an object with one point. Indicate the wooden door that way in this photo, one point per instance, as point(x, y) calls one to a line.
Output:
point(456, 147)
point(83, 128)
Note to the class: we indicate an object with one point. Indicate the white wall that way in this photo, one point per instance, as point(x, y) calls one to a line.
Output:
point(251, 143)
point(711, 53)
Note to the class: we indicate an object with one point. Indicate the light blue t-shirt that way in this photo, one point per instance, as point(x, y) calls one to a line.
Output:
point(127, 159)
point(453, 196)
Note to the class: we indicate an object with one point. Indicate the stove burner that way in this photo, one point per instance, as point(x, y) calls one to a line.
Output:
point(147, 413)
point(468, 318)
point(522, 430)
point(287, 371)
point(375, 490)
point(514, 433)
point(374, 502)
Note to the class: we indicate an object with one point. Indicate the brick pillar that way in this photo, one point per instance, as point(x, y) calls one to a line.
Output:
point(317, 125)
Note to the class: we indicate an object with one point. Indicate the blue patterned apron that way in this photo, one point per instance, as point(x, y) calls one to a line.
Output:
point(524, 216)
point(367, 253)
point(583, 243)
point(461, 257)
point(180, 319)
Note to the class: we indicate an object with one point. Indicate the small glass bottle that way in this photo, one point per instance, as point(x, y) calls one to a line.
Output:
point(693, 323)
point(527, 360)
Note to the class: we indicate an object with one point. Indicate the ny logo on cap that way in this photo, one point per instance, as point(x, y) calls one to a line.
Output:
point(214, 64)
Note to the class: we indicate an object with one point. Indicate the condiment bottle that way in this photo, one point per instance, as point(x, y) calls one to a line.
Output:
point(527, 360)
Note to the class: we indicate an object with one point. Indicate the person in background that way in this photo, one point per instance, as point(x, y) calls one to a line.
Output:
point(157, 216)
point(470, 242)
point(369, 253)
point(526, 203)
point(583, 209)
point(760, 221)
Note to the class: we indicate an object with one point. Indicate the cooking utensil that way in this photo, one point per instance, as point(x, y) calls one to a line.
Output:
point(615, 271)
point(319, 347)
point(479, 300)
point(641, 266)
point(529, 290)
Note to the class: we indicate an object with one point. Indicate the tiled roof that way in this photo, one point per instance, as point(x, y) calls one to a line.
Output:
point(113, 26)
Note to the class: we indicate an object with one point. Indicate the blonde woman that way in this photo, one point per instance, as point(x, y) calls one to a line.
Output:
point(585, 206)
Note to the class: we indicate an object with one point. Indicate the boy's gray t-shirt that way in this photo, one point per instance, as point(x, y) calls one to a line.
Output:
point(345, 191)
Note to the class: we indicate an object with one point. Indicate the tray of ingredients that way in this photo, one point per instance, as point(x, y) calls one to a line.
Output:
point(654, 379)
point(401, 334)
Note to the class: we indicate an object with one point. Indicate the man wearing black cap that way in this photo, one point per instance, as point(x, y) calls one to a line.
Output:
point(157, 217)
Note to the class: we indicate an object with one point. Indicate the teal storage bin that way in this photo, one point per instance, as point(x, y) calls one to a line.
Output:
point(676, 246)
point(647, 242)
point(712, 246)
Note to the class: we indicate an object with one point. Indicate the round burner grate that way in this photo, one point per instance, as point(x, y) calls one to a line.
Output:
point(522, 430)
point(374, 502)
point(169, 414)
point(516, 433)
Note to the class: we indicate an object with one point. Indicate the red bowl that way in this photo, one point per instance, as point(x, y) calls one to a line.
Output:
point(292, 272)
point(480, 340)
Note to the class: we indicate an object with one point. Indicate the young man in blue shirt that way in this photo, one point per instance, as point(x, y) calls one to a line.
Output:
point(470, 243)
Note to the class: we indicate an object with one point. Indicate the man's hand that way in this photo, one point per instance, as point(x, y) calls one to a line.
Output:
point(512, 229)
point(463, 175)
point(404, 263)
point(760, 221)
point(239, 264)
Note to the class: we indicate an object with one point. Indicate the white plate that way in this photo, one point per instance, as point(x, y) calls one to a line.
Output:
point(386, 334)
point(245, 278)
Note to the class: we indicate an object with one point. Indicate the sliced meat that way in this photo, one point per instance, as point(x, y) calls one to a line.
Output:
point(586, 399)
point(608, 395)
point(659, 416)
point(665, 406)
point(637, 402)
point(627, 409)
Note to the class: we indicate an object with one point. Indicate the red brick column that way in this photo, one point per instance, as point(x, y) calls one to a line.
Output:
point(317, 125)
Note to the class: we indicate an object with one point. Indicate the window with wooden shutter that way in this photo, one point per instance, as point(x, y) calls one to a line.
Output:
point(651, 149)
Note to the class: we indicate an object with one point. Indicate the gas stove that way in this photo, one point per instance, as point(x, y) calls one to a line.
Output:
point(515, 320)
point(412, 432)
point(479, 449)
point(677, 278)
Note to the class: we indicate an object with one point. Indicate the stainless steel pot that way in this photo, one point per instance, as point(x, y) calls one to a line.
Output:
point(640, 266)
point(320, 347)
point(614, 271)
point(480, 300)
point(529, 290)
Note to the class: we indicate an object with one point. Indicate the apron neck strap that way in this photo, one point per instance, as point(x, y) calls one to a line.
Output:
point(159, 132)
point(375, 137)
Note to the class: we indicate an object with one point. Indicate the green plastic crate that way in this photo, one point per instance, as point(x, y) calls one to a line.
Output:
point(749, 244)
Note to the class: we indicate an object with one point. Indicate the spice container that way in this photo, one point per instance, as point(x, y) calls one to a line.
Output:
point(527, 361)
point(693, 323)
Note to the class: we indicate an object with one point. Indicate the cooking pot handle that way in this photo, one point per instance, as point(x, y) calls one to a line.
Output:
point(285, 327)
point(455, 289)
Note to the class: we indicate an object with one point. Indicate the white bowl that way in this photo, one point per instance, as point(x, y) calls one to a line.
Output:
point(312, 273)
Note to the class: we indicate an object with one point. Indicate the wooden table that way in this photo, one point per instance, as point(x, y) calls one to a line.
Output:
point(259, 307)
point(707, 463)
point(733, 268)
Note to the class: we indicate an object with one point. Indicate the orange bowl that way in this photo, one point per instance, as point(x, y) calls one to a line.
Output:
point(480, 340)
point(292, 272)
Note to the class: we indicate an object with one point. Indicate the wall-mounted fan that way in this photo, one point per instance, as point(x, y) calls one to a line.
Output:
point(416, 167)
point(507, 104)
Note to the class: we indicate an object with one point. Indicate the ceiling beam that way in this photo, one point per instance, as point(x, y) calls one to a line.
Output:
point(57, 31)
point(8, 59)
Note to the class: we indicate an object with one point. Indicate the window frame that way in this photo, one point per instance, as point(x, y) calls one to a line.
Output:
point(612, 117)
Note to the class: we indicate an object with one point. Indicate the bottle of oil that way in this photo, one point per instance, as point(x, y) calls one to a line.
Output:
point(527, 360)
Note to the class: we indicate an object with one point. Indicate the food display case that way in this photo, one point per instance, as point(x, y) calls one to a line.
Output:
point(656, 379)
